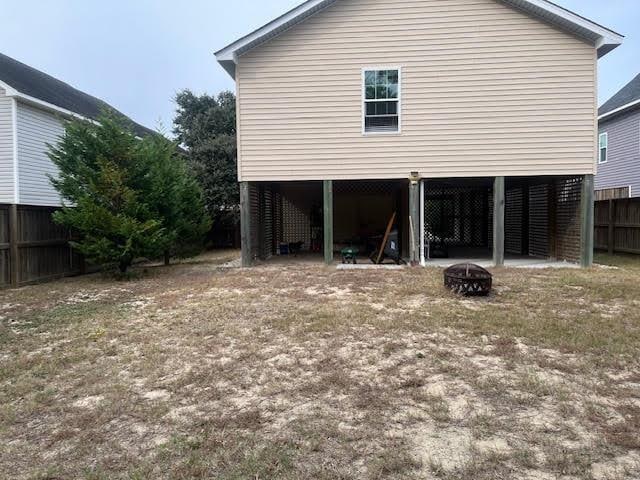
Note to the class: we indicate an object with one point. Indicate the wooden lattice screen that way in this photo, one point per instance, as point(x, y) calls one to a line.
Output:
point(457, 216)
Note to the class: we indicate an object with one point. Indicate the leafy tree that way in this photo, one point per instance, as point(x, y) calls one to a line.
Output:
point(116, 195)
point(177, 198)
point(206, 126)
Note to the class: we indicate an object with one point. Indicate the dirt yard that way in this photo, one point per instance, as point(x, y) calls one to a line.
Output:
point(204, 371)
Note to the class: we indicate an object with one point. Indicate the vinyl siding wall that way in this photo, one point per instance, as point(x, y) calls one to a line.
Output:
point(36, 129)
point(6, 149)
point(623, 164)
point(486, 90)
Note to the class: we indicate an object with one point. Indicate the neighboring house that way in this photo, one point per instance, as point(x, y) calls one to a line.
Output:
point(33, 106)
point(475, 122)
point(619, 145)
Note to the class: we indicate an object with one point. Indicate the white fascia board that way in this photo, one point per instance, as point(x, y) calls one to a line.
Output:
point(293, 16)
point(619, 109)
point(607, 37)
point(604, 39)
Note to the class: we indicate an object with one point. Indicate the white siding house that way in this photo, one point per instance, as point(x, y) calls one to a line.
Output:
point(7, 178)
point(25, 132)
point(36, 130)
point(33, 107)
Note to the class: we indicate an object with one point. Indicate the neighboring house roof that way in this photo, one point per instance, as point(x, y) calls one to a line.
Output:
point(625, 99)
point(601, 37)
point(36, 87)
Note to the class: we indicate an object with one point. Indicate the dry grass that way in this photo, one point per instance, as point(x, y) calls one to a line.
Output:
point(202, 371)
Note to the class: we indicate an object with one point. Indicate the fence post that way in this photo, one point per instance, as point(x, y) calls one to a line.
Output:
point(611, 238)
point(14, 253)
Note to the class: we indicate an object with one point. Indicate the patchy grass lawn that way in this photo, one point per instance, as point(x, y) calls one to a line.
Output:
point(204, 371)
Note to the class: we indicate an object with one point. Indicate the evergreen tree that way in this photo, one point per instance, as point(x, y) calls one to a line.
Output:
point(177, 198)
point(127, 198)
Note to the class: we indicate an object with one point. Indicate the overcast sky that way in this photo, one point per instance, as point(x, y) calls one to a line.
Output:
point(136, 54)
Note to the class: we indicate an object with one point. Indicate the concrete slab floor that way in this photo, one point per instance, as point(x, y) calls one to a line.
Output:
point(508, 263)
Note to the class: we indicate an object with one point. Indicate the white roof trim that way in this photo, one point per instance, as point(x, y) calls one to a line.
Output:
point(602, 38)
point(12, 92)
point(619, 109)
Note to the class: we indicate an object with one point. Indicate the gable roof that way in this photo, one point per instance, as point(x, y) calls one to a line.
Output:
point(37, 87)
point(625, 99)
point(601, 37)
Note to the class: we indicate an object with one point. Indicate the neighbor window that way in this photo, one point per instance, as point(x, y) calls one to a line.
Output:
point(382, 101)
point(603, 148)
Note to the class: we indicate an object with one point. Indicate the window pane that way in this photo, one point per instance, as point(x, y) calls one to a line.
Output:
point(392, 91)
point(370, 77)
point(382, 77)
point(381, 92)
point(381, 124)
point(392, 76)
point(371, 93)
point(603, 155)
point(381, 108)
point(603, 141)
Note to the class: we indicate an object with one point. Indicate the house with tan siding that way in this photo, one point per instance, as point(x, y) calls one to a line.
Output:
point(466, 127)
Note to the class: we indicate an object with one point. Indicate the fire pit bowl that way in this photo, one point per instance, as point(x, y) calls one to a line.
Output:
point(468, 279)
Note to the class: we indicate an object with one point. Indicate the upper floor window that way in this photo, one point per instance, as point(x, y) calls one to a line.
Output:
point(381, 101)
point(603, 148)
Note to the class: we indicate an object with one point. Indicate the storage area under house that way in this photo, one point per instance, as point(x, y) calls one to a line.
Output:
point(542, 218)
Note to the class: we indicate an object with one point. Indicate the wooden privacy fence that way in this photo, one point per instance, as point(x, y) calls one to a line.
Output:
point(617, 225)
point(33, 248)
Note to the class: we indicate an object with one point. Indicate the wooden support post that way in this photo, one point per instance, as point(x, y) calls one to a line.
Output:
point(245, 224)
point(498, 221)
point(14, 254)
point(586, 221)
point(611, 236)
point(328, 221)
point(414, 221)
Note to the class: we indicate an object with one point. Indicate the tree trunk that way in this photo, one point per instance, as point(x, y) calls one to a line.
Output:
point(167, 258)
point(123, 266)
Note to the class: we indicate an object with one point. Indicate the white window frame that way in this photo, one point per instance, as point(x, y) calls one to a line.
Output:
point(606, 157)
point(364, 99)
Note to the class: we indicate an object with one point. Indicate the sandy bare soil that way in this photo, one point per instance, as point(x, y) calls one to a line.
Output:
point(204, 371)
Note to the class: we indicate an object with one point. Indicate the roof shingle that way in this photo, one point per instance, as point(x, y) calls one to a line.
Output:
point(34, 83)
point(629, 94)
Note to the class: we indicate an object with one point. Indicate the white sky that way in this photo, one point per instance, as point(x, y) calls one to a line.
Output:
point(136, 54)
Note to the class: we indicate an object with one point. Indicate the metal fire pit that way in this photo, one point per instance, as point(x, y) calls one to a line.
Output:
point(468, 279)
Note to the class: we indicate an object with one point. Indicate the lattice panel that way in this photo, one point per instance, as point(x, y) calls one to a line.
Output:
point(266, 223)
point(568, 219)
point(457, 216)
point(539, 220)
point(513, 222)
point(254, 209)
point(368, 188)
